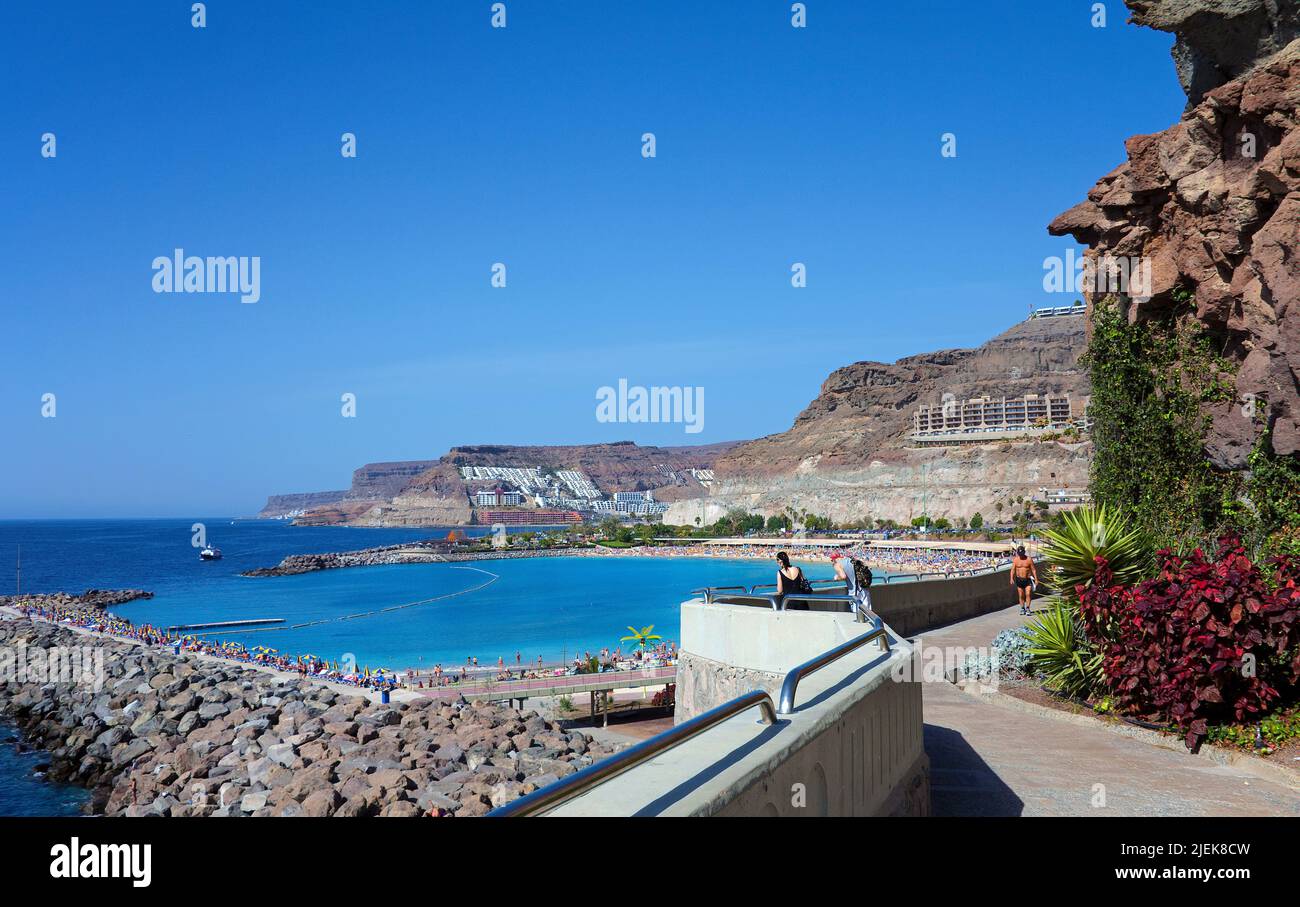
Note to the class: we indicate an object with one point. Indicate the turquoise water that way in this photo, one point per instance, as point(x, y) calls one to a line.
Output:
point(552, 606)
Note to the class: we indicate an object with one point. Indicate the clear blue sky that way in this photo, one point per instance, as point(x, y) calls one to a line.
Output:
point(523, 145)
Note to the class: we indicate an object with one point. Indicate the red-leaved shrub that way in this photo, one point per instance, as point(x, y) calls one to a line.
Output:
point(1203, 641)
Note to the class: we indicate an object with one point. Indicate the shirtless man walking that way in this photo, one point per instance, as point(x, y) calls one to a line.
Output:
point(1024, 576)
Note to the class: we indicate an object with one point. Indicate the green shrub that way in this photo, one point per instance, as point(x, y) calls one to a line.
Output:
point(1061, 654)
point(1150, 380)
point(1088, 533)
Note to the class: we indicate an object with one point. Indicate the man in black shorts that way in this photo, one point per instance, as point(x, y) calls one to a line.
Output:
point(1024, 576)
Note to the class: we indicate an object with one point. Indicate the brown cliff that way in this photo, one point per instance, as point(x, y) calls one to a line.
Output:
point(279, 506)
point(846, 455)
point(1213, 203)
point(432, 493)
point(618, 466)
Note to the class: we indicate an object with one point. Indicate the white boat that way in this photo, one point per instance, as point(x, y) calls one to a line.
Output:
point(210, 554)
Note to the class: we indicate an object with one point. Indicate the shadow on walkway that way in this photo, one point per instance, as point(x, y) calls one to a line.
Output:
point(961, 783)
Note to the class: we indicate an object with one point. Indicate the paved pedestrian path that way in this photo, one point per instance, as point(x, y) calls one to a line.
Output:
point(990, 760)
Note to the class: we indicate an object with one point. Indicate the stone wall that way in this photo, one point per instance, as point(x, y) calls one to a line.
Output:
point(703, 683)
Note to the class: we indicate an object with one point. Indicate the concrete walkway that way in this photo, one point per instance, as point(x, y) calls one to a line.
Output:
point(990, 760)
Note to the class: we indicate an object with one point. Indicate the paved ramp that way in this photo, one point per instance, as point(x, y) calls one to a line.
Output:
point(990, 760)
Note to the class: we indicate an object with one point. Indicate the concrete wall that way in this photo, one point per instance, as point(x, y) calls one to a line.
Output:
point(911, 606)
point(728, 650)
point(871, 761)
point(853, 745)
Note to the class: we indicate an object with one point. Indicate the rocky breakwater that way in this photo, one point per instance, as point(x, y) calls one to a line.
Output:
point(100, 599)
point(163, 735)
point(366, 557)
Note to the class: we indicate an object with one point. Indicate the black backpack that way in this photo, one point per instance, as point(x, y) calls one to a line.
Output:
point(862, 573)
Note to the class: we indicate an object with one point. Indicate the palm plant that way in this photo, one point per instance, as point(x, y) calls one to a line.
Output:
point(1060, 652)
point(642, 637)
point(1091, 532)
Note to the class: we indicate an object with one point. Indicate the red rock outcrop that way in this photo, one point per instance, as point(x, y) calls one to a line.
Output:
point(1213, 203)
point(1219, 40)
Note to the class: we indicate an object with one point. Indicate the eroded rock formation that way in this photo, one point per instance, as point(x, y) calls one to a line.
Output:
point(1218, 40)
point(1214, 203)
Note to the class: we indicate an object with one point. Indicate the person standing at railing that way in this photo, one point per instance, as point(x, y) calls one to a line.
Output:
point(791, 581)
point(856, 577)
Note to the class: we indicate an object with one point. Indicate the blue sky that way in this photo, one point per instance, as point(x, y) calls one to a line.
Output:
point(520, 145)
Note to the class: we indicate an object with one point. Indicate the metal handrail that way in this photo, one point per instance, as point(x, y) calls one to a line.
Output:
point(738, 598)
point(792, 678)
point(815, 597)
point(708, 591)
point(578, 783)
point(775, 601)
point(814, 583)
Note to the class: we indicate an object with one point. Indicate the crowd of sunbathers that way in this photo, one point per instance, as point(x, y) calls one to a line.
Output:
point(471, 672)
point(890, 560)
point(310, 666)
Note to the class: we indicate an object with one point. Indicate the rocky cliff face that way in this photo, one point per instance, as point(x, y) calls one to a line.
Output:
point(1219, 40)
point(620, 466)
point(846, 457)
point(434, 497)
point(431, 492)
point(373, 488)
point(1213, 203)
point(380, 481)
point(283, 505)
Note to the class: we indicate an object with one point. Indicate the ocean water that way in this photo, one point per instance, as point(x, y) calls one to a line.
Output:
point(22, 792)
point(553, 607)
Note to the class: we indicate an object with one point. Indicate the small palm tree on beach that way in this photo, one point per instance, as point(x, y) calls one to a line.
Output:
point(642, 637)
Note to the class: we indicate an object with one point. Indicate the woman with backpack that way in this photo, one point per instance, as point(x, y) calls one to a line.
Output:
point(791, 581)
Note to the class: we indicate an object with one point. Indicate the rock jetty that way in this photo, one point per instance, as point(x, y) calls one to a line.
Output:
point(167, 735)
point(366, 557)
point(396, 554)
point(100, 599)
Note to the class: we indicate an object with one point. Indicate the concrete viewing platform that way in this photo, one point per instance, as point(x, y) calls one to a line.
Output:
point(862, 735)
point(851, 745)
